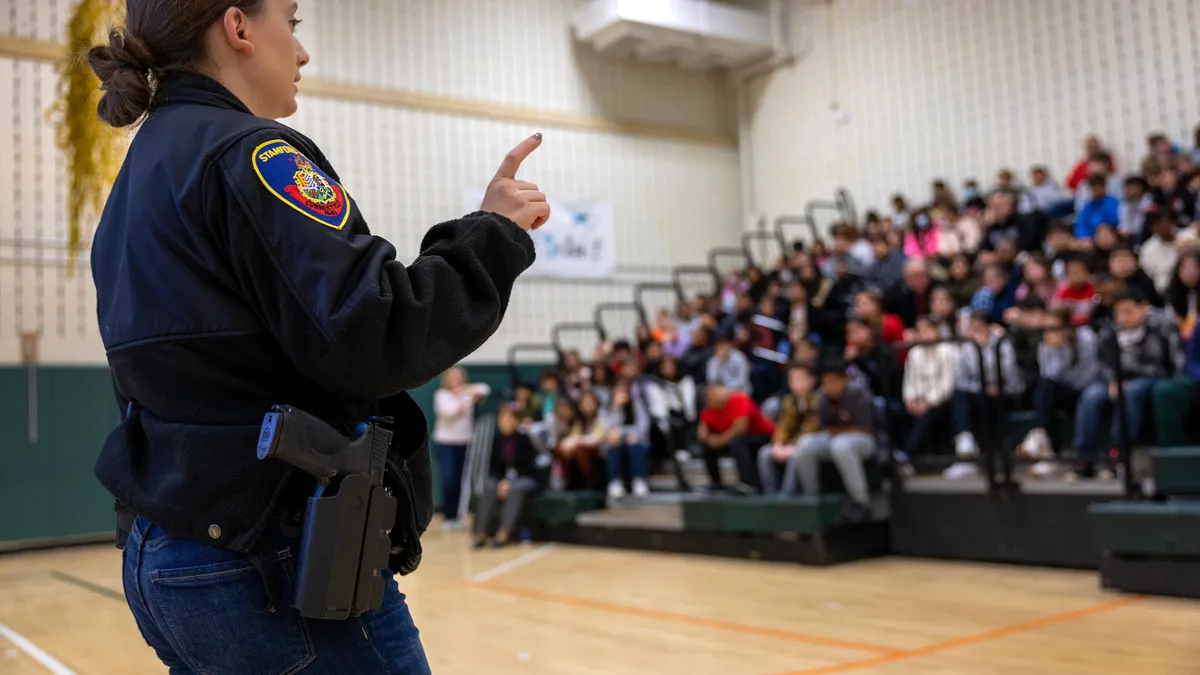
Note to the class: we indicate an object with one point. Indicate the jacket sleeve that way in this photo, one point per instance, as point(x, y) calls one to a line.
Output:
point(347, 313)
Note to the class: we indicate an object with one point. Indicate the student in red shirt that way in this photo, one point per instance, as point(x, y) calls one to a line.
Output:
point(1077, 292)
point(732, 422)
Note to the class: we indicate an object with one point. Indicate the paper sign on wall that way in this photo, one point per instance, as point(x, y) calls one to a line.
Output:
point(577, 241)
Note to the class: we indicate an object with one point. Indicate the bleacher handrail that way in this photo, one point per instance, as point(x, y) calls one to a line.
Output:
point(784, 220)
point(558, 329)
point(715, 254)
point(678, 271)
point(759, 235)
point(601, 308)
point(513, 350)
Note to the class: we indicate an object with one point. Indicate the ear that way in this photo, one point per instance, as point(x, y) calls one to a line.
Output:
point(235, 29)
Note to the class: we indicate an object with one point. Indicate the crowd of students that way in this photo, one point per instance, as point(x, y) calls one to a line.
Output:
point(905, 325)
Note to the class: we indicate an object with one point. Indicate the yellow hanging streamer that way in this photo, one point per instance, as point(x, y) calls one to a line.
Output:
point(93, 150)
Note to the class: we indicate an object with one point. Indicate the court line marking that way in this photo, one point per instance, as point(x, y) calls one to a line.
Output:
point(24, 644)
point(986, 636)
point(520, 561)
point(88, 586)
point(689, 620)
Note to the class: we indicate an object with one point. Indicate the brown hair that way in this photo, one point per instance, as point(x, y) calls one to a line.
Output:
point(158, 38)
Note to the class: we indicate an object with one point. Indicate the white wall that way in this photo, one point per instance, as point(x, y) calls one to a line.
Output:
point(408, 168)
point(960, 88)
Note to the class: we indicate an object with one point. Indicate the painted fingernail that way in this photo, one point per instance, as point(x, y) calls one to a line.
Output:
point(538, 135)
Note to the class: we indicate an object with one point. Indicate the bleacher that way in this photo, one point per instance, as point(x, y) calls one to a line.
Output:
point(1138, 530)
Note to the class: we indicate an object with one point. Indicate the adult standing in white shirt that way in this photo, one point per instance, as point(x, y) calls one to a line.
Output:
point(453, 429)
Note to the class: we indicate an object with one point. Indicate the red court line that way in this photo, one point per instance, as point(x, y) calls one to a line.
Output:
point(985, 636)
point(686, 619)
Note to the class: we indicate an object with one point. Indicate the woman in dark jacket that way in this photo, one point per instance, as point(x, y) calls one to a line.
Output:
point(510, 479)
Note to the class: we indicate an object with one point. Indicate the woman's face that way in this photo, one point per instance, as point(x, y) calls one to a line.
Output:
point(959, 269)
point(668, 369)
point(455, 378)
point(620, 395)
point(276, 59)
point(1035, 273)
point(941, 304)
point(588, 405)
point(507, 422)
point(1106, 238)
point(865, 307)
point(563, 411)
point(1189, 271)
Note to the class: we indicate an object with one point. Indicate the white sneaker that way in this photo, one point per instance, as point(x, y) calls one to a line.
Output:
point(1036, 445)
point(1044, 469)
point(616, 489)
point(452, 525)
point(640, 488)
point(960, 470)
point(965, 446)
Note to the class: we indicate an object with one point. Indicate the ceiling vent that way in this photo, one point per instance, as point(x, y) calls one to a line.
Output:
point(695, 34)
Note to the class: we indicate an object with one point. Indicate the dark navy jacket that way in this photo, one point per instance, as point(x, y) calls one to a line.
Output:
point(233, 273)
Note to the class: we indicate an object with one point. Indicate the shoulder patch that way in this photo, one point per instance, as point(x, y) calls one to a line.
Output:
point(300, 184)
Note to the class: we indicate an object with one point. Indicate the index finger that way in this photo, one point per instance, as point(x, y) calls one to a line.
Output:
point(512, 161)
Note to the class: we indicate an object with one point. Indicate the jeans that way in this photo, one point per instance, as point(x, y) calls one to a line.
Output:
point(1095, 407)
point(847, 452)
point(638, 454)
point(744, 450)
point(1049, 396)
point(923, 426)
point(451, 460)
point(969, 411)
point(767, 472)
point(1179, 399)
point(212, 611)
point(518, 490)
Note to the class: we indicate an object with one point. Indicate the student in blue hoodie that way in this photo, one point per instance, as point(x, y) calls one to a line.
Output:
point(1102, 209)
point(1177, 401)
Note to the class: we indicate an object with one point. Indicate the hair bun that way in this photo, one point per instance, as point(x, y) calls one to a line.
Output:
point(123, 67)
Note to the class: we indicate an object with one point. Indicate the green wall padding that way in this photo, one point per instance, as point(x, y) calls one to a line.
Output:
point(48, 483)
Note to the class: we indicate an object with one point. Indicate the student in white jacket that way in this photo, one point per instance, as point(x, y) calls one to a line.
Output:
point(453, 429)
point(671, 400)
point(929, 380)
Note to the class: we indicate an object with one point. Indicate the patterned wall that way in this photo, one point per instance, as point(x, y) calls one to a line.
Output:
point(673, 200)
point(960, 88)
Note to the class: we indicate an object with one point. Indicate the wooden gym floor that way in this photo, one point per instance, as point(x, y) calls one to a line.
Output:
point(559, 610)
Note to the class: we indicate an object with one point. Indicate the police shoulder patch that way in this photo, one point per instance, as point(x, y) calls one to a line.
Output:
point(300, 184)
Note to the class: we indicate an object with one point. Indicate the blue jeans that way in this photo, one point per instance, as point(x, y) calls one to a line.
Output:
point(638, 453)
point(451, 460)
point(1091, 423)
point(211, 611)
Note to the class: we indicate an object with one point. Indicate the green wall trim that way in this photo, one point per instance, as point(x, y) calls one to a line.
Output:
point(47, 478)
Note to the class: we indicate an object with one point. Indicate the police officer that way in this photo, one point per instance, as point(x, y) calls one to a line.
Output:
point(234, 272)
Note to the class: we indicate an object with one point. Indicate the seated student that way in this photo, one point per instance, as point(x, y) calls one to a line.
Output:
point(929, 376)
point(971, 404)
point(1107, 289)
point(868, 307)
point(1123, 264)
point(1102, 208)
point(1183, 293)
point(510, 479)
point(549, 394)
point(996, 295)
point(1060, 245)
point(527, 405)
point(1150, 350)
point(797, 417)
point(1103, 244)
point(1181, 397)
point(847, 436)
point(1158, 255)
point(1076, 293)
point(578, 452)
point(1036, 280)
point(1067, 364)
point(1025, 324)
point(732, 422)
point(963, 282)
point(626, 441)
point(943, 312)
point(874, 362)
point(1137, 204)
point(728, 367)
